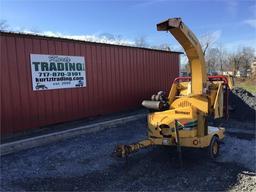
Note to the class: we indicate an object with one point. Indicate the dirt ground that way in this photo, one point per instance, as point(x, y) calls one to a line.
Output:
point(84, 163)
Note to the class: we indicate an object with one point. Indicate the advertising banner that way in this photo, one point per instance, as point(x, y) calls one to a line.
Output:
point(57, 72)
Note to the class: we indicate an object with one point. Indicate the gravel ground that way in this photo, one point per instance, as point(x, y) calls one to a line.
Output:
point(84, 163)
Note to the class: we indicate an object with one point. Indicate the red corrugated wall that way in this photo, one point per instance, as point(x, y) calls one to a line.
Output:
point(118, 78)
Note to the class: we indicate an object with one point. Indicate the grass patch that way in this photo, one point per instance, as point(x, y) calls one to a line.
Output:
point(249, 85)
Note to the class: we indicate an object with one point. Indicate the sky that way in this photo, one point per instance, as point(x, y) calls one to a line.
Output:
point(232, 23)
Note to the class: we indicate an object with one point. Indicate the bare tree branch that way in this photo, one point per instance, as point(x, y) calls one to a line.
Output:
point(3, 25)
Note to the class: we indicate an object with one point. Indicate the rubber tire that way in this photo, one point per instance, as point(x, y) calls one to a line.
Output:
point(215, 140)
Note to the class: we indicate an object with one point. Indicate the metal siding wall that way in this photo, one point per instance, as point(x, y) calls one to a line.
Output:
point(118, 78)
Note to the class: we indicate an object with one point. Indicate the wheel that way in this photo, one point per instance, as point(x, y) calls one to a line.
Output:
point(214, 148)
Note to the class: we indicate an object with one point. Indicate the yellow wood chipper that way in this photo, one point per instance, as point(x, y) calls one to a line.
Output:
point(181, 118)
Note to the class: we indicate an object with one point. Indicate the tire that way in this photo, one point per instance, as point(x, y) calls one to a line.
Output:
point(214, 148)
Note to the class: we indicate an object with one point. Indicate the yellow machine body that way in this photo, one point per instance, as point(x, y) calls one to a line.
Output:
point(190, 102)
point(190, 112)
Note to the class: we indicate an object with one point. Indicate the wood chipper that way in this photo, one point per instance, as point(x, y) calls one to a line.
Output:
point(181, 118)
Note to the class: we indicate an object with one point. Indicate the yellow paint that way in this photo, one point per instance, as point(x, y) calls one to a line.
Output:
point(193, 50)
point(190, 102)
point(188, 141)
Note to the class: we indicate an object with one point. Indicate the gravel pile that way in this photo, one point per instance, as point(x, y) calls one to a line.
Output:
point(246, 96)
point(243, 105)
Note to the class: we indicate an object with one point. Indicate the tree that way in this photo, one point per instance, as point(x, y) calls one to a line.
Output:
point(163, 46)
point(140, 42)
point(207, 40)
point(241, 60)
point(223, 57)
point(247, 56)
point(212, 60)
point(216, 59)
point(3, 25)
point(234, 61)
